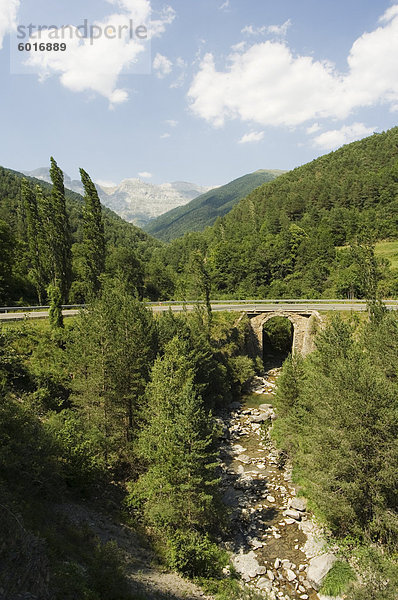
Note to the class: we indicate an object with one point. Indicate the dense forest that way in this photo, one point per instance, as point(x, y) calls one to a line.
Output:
point(128, 249)
point(83, 414)
point(338, 421)
point(297, 236)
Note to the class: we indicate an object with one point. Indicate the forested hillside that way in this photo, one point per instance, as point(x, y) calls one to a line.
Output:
point(204, 210)
point(291, 237)
point(83, 413)
point(128, 247)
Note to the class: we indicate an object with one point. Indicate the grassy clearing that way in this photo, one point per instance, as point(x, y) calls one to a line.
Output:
point(38, 325)
point(338, 579)
point(388, 250)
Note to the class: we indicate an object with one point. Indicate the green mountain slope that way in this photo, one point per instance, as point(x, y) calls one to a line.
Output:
point(129, 248)
point(280, 241)
point(10, 189)
point(204, 210)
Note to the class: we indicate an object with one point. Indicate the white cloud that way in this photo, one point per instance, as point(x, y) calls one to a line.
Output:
point(145, 175)
point(389, 14)
point(225, 5)
point(238, 47)
point(8, 17)
point(162, 65)
point(313, 129)
point(332, 139)
point(171, 122)
point(279, 30)
point(253, 136)
point(95, 67)
point(268, 84)
point(180, 64)
point(164, 136)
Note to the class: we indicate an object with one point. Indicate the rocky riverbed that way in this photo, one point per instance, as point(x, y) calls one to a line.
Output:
point(275, 545)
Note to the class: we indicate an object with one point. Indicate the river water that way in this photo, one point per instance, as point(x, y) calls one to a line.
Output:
point(259, 491)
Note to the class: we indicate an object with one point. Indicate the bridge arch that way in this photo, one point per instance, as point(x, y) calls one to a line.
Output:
point(304, 327)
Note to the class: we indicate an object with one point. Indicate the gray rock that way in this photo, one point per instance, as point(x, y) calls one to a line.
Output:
point(260, 418)
point(235, 405)
point(318, 568)
point(277, 563)
point(298, 504)
point(270, 575)
point(243, 458)
point(293, 514)
point(265, 407)
point(264, 585)
point(290, 575)
point(247, 565)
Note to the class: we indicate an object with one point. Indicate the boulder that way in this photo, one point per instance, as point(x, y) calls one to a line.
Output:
point(264, 585)
point(318, 568)
point(235, 405)
point(298, 504)
point(290, 575)
point(243, 458)
point(293, 514)
point(265, 407)
point(247, 565)
point(260, 418)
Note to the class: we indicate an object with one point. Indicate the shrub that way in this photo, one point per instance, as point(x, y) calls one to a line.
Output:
point(196, 555)
point(338, 579)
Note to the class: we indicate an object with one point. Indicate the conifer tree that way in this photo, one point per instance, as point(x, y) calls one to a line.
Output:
point(178, 491)
point(113, 349)
point(94, 237)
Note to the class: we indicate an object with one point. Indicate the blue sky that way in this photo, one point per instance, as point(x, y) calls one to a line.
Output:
point(220, 87)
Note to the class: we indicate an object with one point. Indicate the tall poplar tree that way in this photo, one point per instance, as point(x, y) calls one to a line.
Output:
point(34, 232)
point(94, 237)
point(60, 237)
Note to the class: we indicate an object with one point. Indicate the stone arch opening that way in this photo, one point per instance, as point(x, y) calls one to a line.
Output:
point(277, 340)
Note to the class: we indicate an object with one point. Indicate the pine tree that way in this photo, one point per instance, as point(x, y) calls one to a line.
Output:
point(59, 237)
point(179, 489)
point(346, 431)
point(113, 348)
point(94, 237)
point(34, 232)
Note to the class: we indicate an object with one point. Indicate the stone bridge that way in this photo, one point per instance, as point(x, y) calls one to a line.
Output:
point(305, 325)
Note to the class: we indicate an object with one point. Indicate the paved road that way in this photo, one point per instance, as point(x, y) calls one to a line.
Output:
point(238, 306)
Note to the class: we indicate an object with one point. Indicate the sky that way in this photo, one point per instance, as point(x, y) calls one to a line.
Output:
point(192, 90)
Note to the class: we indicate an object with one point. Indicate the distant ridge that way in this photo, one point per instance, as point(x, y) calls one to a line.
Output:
point(206, 208)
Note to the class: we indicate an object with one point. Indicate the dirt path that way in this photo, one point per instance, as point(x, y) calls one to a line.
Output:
point(146, 578)
point(268, 542)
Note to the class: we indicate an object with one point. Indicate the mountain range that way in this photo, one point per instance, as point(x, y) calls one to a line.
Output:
point(134, 200)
